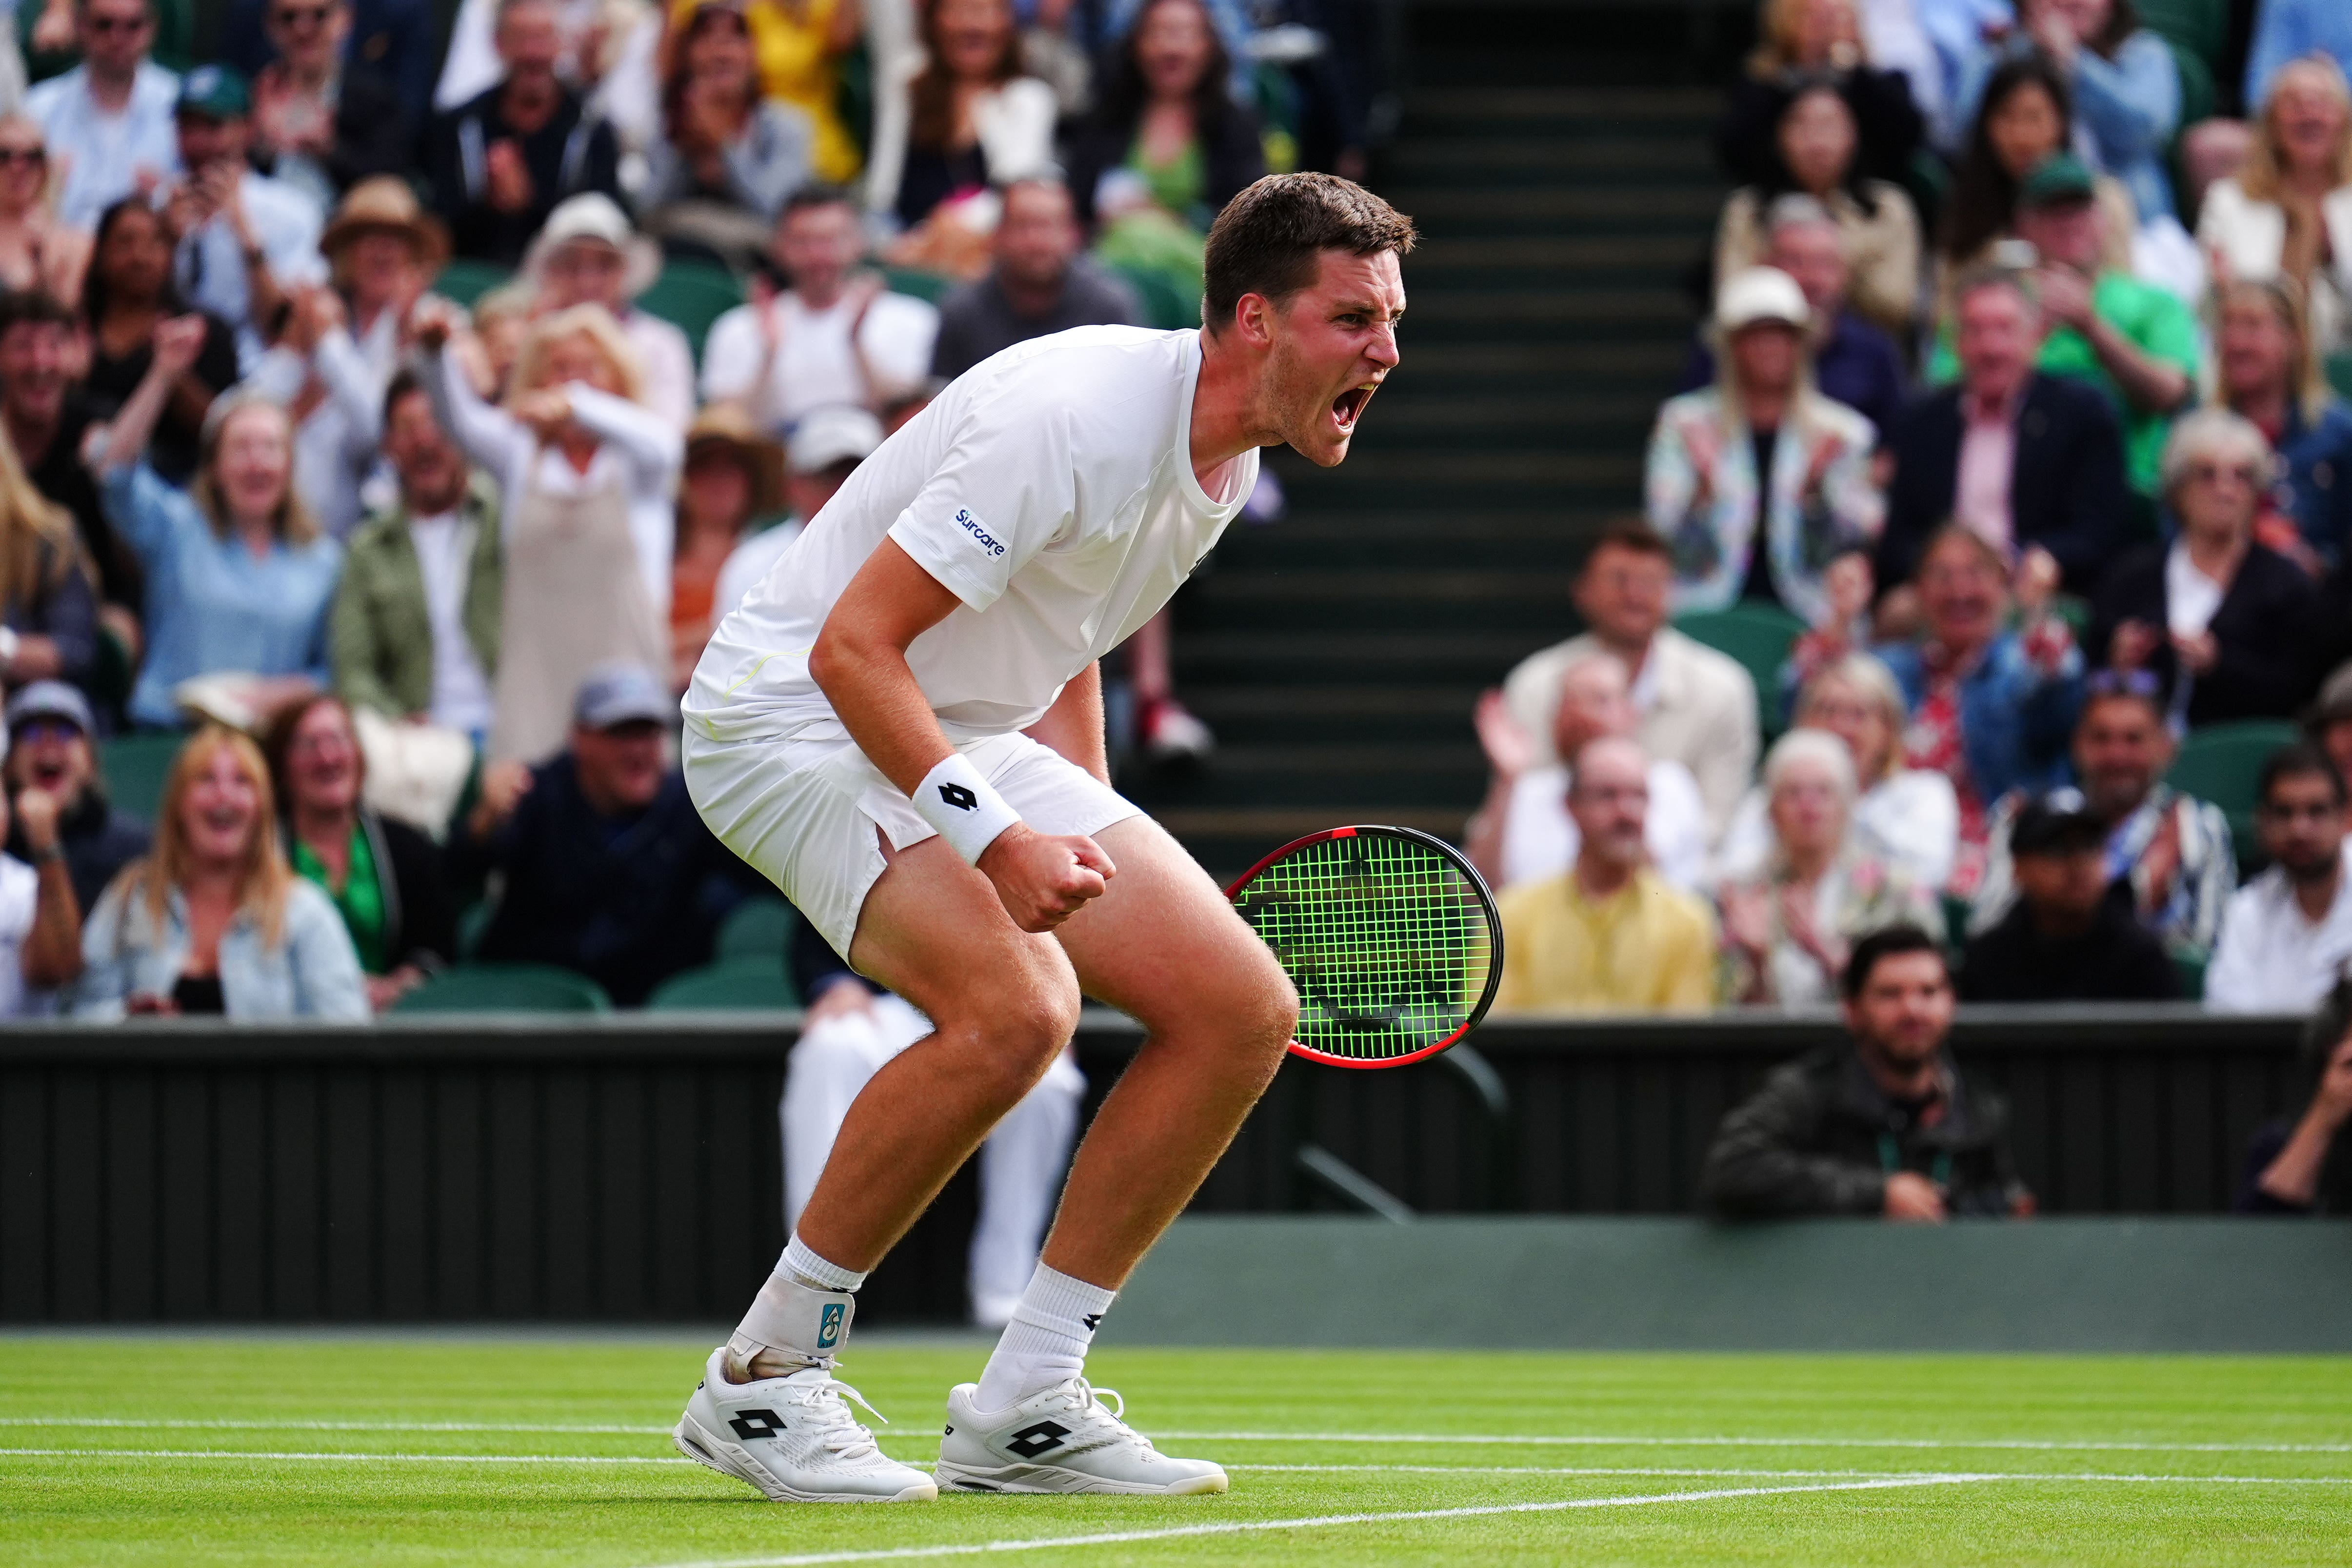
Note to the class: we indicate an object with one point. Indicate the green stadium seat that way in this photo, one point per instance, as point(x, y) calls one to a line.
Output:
point(134, 767)
point(1956, 911)
point(1758, 636)
point(2191, 974)
point(2339, 374)
point(506, 989)
point(2198, 28)
point(690, 296)
point(1165, 305)
point(731, 984)
point(2197, 93)
point(759, 928)
point(464, 280)
point(928, 286)
point(2221, 762)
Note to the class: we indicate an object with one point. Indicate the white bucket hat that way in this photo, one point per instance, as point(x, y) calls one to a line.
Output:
point(595, 217)
point(1758, 293)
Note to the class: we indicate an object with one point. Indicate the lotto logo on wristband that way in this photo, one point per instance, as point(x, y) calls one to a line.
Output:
point(971, 525)
point(956, 795)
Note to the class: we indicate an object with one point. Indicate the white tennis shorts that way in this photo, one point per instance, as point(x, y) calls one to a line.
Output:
point(804, 812)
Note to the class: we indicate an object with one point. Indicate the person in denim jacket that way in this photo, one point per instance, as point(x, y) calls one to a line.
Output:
point(214, 920)
point(1991, 707)
point(1760, 481)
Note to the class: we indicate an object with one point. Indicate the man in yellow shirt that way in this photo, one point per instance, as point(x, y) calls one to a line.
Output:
point(1610, 934)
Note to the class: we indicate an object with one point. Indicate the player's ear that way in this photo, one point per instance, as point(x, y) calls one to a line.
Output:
point(1253, 319)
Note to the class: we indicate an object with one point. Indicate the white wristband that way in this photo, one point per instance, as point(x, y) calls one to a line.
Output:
point(962, 807)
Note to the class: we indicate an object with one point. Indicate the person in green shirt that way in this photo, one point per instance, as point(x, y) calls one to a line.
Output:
point(2132, 340)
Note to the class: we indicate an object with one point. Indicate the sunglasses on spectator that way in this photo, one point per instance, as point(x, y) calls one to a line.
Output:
point(102, 25)
point(47, 729)
point(2245, 474)
point(23, 155)
point(304, 17)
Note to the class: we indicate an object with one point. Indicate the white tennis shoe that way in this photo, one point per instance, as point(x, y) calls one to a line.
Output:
point(793, 1438)
point(1061, 1441)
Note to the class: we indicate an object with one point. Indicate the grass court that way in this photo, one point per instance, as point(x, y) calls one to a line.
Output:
point(394, 1450)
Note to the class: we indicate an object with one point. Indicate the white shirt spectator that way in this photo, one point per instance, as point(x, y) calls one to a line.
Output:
point(336, 446)
point(445, 554)
point(1540, 840)
point(815, 364)
point(20, 892)
point(210, 263)
point(1910, 819)
point(2269, 959)
point(668, 363)
point(106, 154)
point(749, 563)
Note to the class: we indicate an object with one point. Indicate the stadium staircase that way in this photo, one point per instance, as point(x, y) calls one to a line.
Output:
point(1338, 653)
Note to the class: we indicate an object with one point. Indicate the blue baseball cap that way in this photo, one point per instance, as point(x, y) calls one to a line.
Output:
point(621, 693)
point(51, 699)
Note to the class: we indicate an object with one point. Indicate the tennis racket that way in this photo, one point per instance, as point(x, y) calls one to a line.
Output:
point(1389, 935)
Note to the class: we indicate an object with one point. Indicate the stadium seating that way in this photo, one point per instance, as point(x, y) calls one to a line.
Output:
point(464, 281)
point(2220, 763)
point(730, 984)
point(759, 928)
point(691, 294)
point(506, 989)
point(1759, 637)
point(134, 767)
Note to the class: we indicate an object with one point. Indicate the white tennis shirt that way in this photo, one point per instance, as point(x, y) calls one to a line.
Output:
point(1050, 487)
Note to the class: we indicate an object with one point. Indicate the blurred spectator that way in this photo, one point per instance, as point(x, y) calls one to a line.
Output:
point(604, 51)
point(416, 622)
point(2132, 340)
point(2029, 463)
point(2266, 369)
point(46, 422)
point(40, 917)
point(1609, 935)
point(848, 1033)
point(241, 239)
point(588, 254)
point(1693, 704)
point(587, 491)
point(2288, 212)
point(1526, 827)
point(2063, 938)
point(214, 920)
point(48, 611)
point(973, 121)
point(502, 319)
point(1751, 516)
point(1805, 42)
point(499, 164)
point(1789, 928)
point(1039, 284)
point(2287, 29)
point(2027, 117)
point(395, 42)
point(239, 576)
point(1881, 1124)
point(2168, 856)
point(2229, 627)
point(2287, 933)
point(734, 473)
point(322, 123)
point(1906, 817)
point(836, 336)
point(107, 122)
point(729, 156)
point(1818, 158)
point(384, 877)
point(798, 47)
point(130, 294)
point(2124, 82)
point(2329, 723)
point(1166, 148)
point(2305, 1166)
point(826, 447)
point(1991, 708)
point(608, 869)
point(38, 252)
point(1853, 363)
point(50, 755)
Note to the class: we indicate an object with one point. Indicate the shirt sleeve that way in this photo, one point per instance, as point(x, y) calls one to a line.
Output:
point(731, 355)
point(1004, 491)
point(897, 339)
point(2232, 984)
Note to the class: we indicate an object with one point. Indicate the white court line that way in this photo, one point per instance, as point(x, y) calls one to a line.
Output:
point(1315, 1522)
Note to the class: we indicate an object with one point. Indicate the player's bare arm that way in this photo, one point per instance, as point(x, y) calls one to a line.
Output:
point(860, 662)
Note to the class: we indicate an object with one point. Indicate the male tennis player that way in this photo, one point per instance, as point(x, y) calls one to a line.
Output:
point(902, 727)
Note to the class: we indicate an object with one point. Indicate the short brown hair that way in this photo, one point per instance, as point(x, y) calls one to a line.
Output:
point(1629, 532)
point(1266, 239)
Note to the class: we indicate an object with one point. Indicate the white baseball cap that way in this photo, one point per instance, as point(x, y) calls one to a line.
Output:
point(1760, 294)
point(834, 433)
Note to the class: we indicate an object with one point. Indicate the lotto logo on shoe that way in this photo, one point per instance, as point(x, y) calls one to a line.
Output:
point(1044, 1437)
point(971, 525)
point(828, 1325)
point(756, 1424)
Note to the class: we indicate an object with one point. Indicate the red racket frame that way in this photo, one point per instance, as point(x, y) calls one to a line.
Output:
point(1477, 1015)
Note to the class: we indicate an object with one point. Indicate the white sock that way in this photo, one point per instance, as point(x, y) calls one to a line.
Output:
point(800, 1318)
point(1046, 1341)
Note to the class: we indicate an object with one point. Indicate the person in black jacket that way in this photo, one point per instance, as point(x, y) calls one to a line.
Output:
point(323, 121)
point(1805, 45)
point(498, 165)
point(608, 869)
point(1170, 77)
point(2057, 440)
point(2071, 936)
point(2303, 1166)
point(2230, 626)
point(386, 879)
point(49, 730)
point(1881, 1124)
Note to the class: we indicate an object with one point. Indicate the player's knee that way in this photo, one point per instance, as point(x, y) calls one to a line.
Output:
point(1019, 1033)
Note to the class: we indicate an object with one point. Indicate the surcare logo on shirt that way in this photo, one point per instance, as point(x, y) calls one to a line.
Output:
point(979, 531)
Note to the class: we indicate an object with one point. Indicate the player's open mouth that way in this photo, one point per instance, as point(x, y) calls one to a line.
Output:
point(1348, 406)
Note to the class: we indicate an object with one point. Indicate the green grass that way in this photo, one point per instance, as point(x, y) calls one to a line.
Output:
point(2206, 1460)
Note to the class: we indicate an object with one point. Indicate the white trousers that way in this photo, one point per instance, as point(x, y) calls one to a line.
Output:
point(1020, 1165)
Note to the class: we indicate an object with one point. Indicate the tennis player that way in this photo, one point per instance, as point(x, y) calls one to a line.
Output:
point(902, 727)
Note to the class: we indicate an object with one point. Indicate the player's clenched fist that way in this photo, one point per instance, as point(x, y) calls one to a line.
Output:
point(1043, 880)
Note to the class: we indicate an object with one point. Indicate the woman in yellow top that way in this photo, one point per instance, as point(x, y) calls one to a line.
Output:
point(798, 43)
